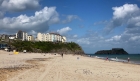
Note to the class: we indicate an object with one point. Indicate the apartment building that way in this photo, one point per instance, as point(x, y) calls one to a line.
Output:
point(4, 37)
point(63, 39)
point(52, 37)
point(12, 37)
point(30, 38)
point(22, 35)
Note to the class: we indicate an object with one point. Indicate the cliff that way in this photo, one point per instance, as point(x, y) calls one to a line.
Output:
point(45, 47)
point(112, 51)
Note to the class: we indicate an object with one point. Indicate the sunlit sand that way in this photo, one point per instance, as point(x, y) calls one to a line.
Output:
point(51, 67)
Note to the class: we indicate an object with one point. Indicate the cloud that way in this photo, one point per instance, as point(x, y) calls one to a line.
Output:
point(127, 10)
point(90, 38)
point(39, 22)
point(69, 18)
point(1, 14)
point(32, 32)
point(91, 42)
point(64, 30)
point(101, 22)
point(127, 15)
point(114, 38)
point(75, 36)
point(18, 5)
point(134, 38)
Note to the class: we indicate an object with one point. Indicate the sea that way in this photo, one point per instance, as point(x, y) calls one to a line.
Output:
point(134, 58)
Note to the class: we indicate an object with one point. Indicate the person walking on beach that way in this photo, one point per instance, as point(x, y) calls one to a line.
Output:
point(62, 55)
point(116, 59)
point(128, 59)
point(107, 59)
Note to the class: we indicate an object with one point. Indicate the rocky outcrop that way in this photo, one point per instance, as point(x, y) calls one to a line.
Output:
point(113, 51)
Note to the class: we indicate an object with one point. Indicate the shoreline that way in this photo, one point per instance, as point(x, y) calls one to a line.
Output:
point(131, 62)
point(121, 60)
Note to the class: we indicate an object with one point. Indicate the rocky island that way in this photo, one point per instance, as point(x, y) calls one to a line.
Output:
point(112, 51)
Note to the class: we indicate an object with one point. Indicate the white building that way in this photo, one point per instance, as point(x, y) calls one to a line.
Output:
point(52, 37)
point(64, 39)
point(22, 35)
point(12, 37)
point(30, 38)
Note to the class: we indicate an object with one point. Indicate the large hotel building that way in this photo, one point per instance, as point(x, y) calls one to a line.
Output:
point(23, 36)
point(52, 37)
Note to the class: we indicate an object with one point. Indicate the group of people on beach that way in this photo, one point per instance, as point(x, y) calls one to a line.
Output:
point(107, 59)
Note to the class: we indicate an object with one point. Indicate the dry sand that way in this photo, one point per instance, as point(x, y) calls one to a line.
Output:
point(41, 67)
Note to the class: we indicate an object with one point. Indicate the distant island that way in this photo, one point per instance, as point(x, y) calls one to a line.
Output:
point(112, 51)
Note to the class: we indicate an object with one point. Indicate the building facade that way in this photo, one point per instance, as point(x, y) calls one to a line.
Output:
point(30, 38)
point(51, 37)
point(22, 35)
point(4, 37)
point(63, 39)
point(12, 37)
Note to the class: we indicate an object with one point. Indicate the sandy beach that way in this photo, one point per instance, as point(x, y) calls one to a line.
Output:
point(50, 67)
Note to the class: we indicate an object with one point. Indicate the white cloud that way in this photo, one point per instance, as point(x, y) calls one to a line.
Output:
point(100, 23)
point(127, 15)
point(32, 32)
point(38, 22)
point(125, 10)
point(93, 42)
point(1, 14)
point(75, 36)
point(84, 41)
point(69, 18)
point(91, 38)
point(64, 30)
point(19, 5)
point(114, 38)
point(134, 38)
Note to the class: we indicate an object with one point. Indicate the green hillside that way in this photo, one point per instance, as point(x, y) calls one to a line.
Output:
point(45, 47)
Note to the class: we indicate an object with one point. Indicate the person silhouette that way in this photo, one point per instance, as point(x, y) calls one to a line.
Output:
point(128, 59)
point(116, 59)
point(62, 55)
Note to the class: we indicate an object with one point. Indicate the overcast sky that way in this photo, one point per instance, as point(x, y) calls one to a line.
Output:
point(93, 24)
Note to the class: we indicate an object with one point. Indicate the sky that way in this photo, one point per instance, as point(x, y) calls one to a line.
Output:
point(93, 24)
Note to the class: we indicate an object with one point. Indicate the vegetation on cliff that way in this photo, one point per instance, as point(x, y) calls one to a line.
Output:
point(44, 47)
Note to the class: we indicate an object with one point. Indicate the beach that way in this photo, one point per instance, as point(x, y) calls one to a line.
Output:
point(54, 67)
